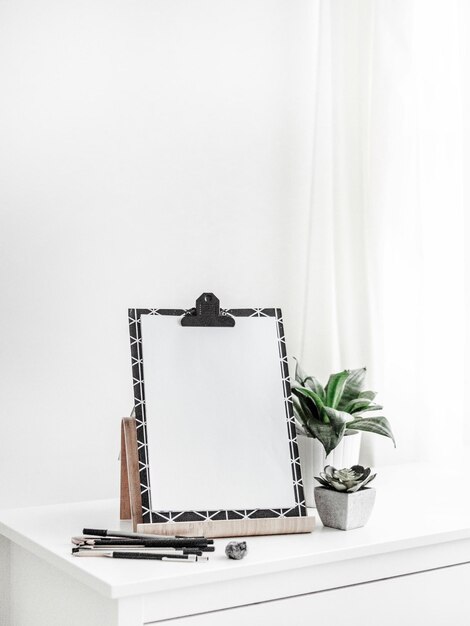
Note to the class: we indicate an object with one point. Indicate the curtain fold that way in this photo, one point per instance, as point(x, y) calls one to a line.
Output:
point(385, 269)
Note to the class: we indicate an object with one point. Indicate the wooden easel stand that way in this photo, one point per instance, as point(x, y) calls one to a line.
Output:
point(131, 505)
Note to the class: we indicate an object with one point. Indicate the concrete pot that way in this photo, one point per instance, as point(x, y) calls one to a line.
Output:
point(344, 511)
point(313, 459)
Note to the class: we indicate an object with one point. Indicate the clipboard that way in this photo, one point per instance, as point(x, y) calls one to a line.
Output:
point(234, 469)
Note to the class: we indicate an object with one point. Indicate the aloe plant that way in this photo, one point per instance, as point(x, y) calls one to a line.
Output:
point(338, 409)
point(348, 480)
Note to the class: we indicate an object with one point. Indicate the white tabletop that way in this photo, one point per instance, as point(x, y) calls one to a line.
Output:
point(415, 506)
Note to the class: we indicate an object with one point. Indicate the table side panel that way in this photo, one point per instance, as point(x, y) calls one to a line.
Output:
point(41, 595)
point(4, 582)
point(174, 603)
point(433, 598)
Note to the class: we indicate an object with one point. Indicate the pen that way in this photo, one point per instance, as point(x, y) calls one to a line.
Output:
point(154, 539)
point(106, 540)
point(141, 555)
point(115, 542)
point(151, 550)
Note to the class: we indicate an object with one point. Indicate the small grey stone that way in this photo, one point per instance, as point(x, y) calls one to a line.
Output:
point(236, 550)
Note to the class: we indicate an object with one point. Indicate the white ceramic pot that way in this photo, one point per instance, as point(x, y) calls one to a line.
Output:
point(313, 459)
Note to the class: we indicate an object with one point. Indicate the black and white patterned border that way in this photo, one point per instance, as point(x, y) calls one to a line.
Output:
point(137, 358)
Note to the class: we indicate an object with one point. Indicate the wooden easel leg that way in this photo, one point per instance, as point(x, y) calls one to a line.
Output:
point(132, 463)
point(125, 505)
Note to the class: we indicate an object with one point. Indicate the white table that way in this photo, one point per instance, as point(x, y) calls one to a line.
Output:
point(409, 563)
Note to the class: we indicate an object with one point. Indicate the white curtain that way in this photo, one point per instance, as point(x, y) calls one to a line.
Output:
point(385, 270)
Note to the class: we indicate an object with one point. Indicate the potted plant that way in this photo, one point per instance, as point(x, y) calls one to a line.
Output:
point(343, 500)
point(330, 419)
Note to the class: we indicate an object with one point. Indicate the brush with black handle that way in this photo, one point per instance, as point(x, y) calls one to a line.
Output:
point(153, 556)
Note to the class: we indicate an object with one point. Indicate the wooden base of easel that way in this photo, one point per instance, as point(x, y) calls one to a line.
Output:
point(131, 505)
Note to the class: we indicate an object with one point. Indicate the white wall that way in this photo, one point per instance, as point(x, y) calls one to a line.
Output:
point(149, 151)
point(465, 51)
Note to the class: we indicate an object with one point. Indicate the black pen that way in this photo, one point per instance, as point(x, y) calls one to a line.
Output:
point(141, 555)
point(152, 550)
point(154, 543)
point(104, 540)
point(154, 539)
point(167, 542)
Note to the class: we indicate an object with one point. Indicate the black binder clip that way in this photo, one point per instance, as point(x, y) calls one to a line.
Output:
point(207, 313)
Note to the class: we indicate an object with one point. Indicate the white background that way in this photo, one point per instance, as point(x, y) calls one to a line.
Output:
point(149, 151)
point(156, 149)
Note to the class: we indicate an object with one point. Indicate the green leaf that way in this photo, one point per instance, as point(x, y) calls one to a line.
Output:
point(361, 405)
point(310, 408)
point(352, 387)
point(371, 407)
point(322, 481)
point(299, 412)
point(300, 375)
point(312, 383)
point(356, 405)
point(334, 388)
point(337, 485)
point(308, 393)
point(363, 483)
point(338, 419)
point(370, 395)
point(379, 425)
point(364, 472)
point(326, 435)
point(360, 469)
point(368, 480)
point(298, 408)
point(305, 415)
point(301, 430)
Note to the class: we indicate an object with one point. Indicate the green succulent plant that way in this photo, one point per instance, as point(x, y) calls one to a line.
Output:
point(348, 480)
point(329, 413)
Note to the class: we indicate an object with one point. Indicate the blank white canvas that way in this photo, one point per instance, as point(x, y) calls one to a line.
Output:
point(216, 422)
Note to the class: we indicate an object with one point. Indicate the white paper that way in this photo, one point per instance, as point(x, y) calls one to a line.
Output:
point(216, 422)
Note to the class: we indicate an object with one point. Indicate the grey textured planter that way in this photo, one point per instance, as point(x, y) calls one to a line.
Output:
point(344, 510)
